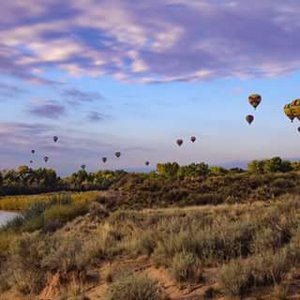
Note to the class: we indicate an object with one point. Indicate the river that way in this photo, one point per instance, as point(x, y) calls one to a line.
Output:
point(6, 216)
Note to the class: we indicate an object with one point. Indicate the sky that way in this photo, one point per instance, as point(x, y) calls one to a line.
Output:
point(135, 75)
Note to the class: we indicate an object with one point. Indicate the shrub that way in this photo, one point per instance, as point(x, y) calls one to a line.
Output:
point(107, 243)
point(267, 239)
point(98, 210)
point(32, 224)
point(134, 287)
point(63, 213)
point(146, 244)
point(34, 210)
point(283, 184)
point(65, 255)
point(271, 268)
point(25, 260)
point(5, 241)
point(186, 268)
point(235, 278)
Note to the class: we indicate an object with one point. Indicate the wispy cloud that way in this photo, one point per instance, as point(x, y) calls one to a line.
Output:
point(75, 96)
point(180, 40)
point(95, 116)
point(8, 90)
point(18, 136)
point(48, 109)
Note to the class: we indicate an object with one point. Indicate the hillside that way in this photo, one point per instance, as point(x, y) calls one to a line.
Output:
point(151, 237)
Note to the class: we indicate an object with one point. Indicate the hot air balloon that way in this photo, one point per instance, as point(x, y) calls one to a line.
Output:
point(55, 138)
point(295, 108)
point(289, 113)
point(118, 154)
point(193, 139)
point(179, 142)
point(32, 151)
point(83, 167)
point(249, 119)
point(254, 100)
point(31, 161)
point(104, 159)
point(299, 129)
point(147, 163)
point(46, 158)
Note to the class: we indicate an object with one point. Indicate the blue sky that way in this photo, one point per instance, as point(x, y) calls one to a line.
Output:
point(133, 76)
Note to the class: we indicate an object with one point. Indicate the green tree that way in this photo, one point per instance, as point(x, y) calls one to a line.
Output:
point(272, 165)
point(256, 166)
point(194, 170)
point(167, 169)
point(218, 171)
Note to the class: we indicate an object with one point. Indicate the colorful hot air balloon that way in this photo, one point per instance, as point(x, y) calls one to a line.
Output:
point(147, 163)
point(179, 142)
point(254, 100)
point(249, 119)
point(46, 158)
point(193, 139)
point(55, 138)
point(104, 159)
point(288, 112)
point(32, 151)
point(118, 154)
point(83, 167)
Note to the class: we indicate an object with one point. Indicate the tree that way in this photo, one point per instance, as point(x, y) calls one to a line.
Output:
point(272, 165)
point(218, 171)
point(194, 170)
point(24, 174)
point(168, 169)
point(256, 167)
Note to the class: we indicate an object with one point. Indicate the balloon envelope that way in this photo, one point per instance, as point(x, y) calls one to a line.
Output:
point(83, 167)
point(254, 100)
point(295, 108)
point(55, 138)
point(46, 158)
point(289, 112)
point(179, 142)
point(32, 151)
point(104, 159)
point(147, 163)
point(118, 154)
point(193, 139)
point(249, 119)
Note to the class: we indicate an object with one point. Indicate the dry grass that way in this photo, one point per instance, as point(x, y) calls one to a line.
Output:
point(134, 287)
point(20, 203)
point(251, 245)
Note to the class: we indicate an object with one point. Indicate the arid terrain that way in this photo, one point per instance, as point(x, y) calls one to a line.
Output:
point(225, 236)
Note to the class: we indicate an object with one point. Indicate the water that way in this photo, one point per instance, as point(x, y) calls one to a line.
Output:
point(6, 216)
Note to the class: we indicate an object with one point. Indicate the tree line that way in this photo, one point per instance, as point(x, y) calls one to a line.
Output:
point(25, 180)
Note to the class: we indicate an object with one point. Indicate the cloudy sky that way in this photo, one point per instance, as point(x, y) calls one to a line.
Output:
point(135, 75)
